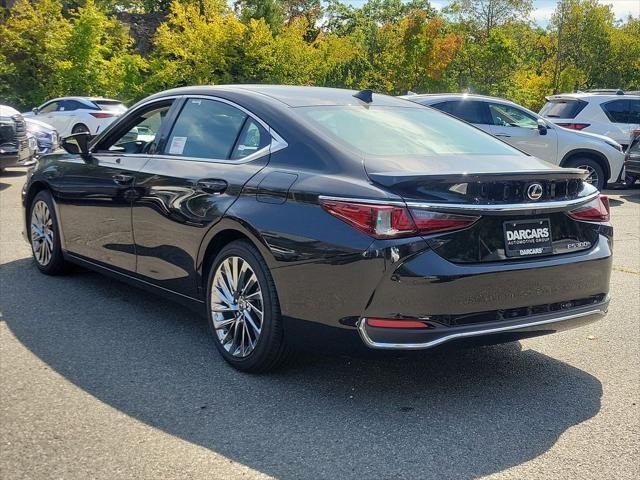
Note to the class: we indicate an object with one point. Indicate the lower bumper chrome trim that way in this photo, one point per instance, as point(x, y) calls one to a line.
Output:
point(594, 311)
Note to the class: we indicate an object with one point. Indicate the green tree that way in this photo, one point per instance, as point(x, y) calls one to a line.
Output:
point(32, 49)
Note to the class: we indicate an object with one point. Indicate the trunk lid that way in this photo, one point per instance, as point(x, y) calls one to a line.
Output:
point(513, 224)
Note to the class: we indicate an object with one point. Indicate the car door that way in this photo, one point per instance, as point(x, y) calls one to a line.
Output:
point(520, 129)
point(47, 113)
point(213, 149)
point(624, 115)
point(95, 195)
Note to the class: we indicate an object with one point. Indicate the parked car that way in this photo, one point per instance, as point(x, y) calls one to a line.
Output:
point(15, 148)
point(293, 215)
point(69, 115)
point(46, 137)
point(602, 157)
point(612, 113)
point(632, 160)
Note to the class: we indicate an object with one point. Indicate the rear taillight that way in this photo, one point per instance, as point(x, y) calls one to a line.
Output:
point(388, 221)
point(101, 114)
point(594, 211)
point(574, 126)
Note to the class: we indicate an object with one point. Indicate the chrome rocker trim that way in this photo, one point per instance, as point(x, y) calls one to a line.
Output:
point(599, 311)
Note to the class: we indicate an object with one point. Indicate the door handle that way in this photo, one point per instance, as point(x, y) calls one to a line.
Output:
point(503, 135)
point(122, 179)
point(212, 186)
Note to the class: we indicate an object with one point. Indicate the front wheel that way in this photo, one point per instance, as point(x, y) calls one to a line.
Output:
point(45, 236)
point(243, 310)
point(596, 173)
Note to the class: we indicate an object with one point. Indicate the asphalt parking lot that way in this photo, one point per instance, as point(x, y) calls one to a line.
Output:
point(99, 380)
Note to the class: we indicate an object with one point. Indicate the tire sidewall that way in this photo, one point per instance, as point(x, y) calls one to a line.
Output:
point(593, 164)
point(270, 331)
point(56, 263)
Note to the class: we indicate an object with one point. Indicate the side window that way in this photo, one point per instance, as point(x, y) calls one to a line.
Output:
point(49, 107)
point(138, 133)
point(468, 110)
point(617, 111)
point(634, 111)
point(251, 139)
point(205, 129)
point(508, 116)
point(70, 105)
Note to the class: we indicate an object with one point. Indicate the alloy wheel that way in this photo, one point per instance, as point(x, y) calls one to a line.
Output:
point(237, 307)
point(42, 233)
point(593, 175)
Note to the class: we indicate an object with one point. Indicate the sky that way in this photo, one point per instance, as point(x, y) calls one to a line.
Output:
point(544, 8)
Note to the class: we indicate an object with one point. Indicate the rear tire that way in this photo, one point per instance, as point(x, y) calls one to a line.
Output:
point(243, 310)
point(596, 173)
point(44, 236)
point(80, 128)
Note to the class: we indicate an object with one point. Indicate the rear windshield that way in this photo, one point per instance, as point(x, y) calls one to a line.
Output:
point(111, 106)
point(403, 131)
point(562, 108)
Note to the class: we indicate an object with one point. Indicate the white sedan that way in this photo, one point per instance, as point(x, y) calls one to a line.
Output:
point(69, 115)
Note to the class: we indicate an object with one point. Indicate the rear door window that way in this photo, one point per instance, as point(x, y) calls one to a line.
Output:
point(562, 108)
point(618, 111)
point(205, 129)
point(252, 138)
point(71, 105)
point(470, 111)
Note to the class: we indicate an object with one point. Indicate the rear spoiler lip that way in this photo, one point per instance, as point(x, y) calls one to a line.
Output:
point(496, 208)
point(390, 179)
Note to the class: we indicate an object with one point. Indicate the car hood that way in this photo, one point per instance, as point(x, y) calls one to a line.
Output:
point(42, 125)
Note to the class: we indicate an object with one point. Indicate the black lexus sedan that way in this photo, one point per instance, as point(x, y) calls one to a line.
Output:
point(294, 214)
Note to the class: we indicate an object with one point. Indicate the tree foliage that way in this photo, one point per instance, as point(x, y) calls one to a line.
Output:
point(84, 47)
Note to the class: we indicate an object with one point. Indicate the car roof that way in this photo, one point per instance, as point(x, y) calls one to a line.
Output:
point(455, 96)
point(292, 96)
point(602, 97)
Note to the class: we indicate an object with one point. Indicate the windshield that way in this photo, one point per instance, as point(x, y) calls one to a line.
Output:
point(397, 131)
point(562, 108)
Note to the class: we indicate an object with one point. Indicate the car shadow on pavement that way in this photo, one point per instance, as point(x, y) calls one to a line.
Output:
point(452, 414)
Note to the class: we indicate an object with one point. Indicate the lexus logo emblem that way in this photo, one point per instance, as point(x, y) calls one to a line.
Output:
point(534, 191)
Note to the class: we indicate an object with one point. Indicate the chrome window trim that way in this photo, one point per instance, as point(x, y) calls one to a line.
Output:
point(277, 142)
point(512, 207)
point(600, 311)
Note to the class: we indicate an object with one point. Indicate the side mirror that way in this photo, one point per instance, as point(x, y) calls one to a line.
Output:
point(35, 110)
point(542, 127)
point(77, 144)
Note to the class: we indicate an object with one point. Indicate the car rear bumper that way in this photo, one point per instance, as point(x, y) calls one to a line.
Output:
point(516, 299)
point(533, 325)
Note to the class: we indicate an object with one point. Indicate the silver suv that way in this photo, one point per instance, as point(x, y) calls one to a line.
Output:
point(529, 132)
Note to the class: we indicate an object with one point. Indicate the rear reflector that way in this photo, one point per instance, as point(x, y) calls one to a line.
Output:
point(384, 323)
point(594, 211)
point(387, 221)
point(574, 126)
point(101, 114)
